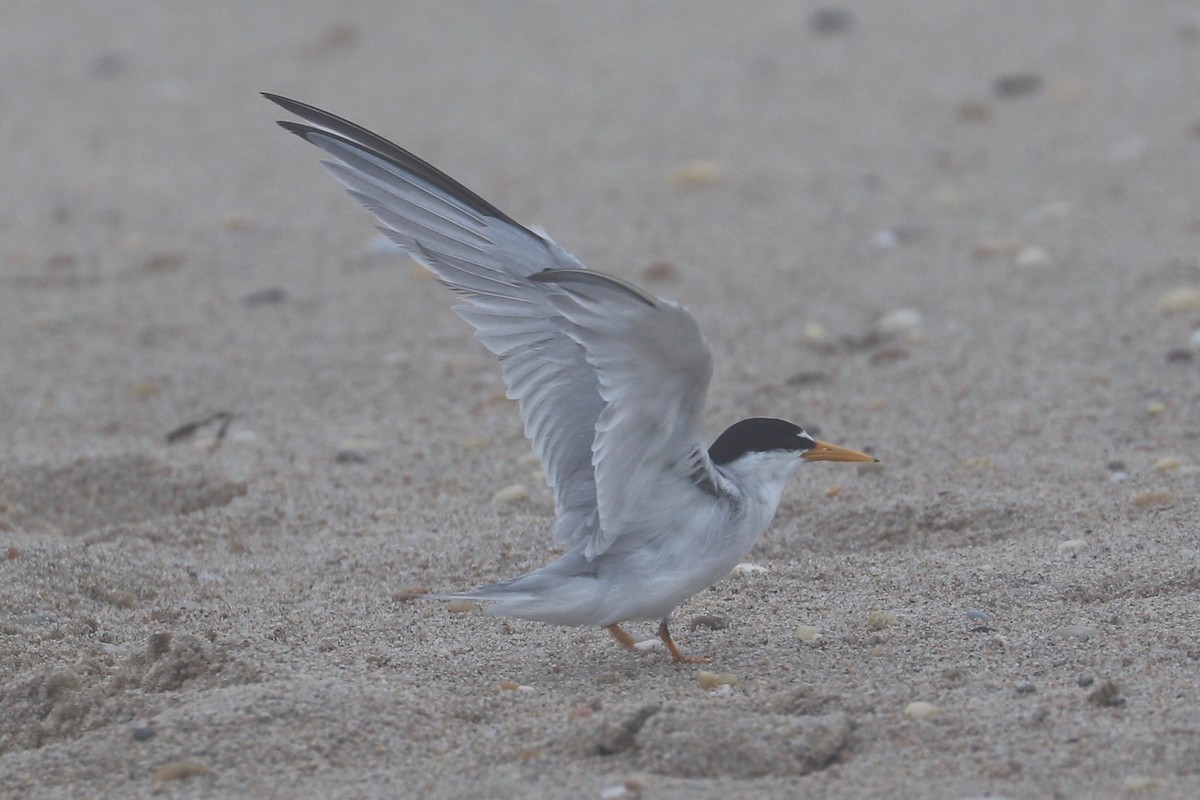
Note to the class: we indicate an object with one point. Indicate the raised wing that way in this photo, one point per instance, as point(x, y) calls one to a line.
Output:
point(570, 341)
point(653, 367)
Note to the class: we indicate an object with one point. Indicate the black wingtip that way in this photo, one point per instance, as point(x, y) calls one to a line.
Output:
point(335, 127)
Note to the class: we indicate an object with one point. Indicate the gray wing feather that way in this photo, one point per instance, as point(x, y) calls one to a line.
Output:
point(653, 367)
point(598, 366)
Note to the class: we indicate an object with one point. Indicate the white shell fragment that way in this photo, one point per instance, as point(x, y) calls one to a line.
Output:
point(1185, 298)
point(1071, 547)
point(1033, 257)
point(511, 494)
point(808, 634)
point(711, 680)
point(697, 174)
point(746, 568)
point(920, 710)
point(901, 321)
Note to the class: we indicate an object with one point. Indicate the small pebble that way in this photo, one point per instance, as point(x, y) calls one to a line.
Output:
point(1067, 90)
point(973, 111)
point(511, 494)
point(1139, 783)
point(1071, 547)
point(1033, 257)
point(1181, 355)
point(1155, 408)
point(888, 355)
point(1185, 298)
point(697, 174)
point(979, 618)
point(807, 377)
point(1107, 695)
point(746, 568)
point(711, 680)
point(833, 490)
point(1017, 84)
point(808, 634)
point(1154, 497)
point(180, 770)
point(815, 334)
point(1075, 632)
point(660, 271)
point(386, 514)
point(992, 248)
point(1085, 681)
point(878, 620)
point(901, 322)
point(1167, 464)
point(829, 20)
point(460, 606)
point(614, 792)
point(646, 645)
point(920, 710)
point(356, 450)
point(948, 198)
point(1026, 688)
point(272, 295)
point(143, 733)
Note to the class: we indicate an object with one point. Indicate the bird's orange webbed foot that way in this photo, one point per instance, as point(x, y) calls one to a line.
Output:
point(678, 657)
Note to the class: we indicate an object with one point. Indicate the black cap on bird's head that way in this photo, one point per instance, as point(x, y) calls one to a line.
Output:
point(766, 435)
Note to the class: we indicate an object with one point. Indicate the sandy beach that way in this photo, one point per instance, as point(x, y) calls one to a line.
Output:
point(964, 237)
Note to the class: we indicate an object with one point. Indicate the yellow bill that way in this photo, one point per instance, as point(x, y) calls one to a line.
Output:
point(824, 451)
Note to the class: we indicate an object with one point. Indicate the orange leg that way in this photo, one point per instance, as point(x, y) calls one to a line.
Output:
point(621, 636)
point(679, 658)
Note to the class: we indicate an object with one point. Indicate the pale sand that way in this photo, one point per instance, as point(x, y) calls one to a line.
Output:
point(180, 623)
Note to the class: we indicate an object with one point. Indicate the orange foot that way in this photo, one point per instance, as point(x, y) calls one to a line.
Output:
point(677, 657)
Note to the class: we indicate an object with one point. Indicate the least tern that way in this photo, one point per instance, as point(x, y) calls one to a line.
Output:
point(611, 383)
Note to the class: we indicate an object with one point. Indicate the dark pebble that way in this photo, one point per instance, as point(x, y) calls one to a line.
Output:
point(831, 20)
point(265, 297)
point(1116, 466)
point(1179, 355)
point(1085, 681)
point(158, 645)
point(349, 457)
point(888, 356)
point(1107, 694)
point(804, 378)
point(1026, 688)
point(1017, 84)
point(109, 65)
point(143, 733)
